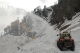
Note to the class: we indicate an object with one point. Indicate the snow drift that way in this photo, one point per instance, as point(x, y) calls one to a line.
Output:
point(45, 43)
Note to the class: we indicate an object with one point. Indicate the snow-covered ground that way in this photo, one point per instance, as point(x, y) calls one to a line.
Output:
point(44, 44)
point(10, 44)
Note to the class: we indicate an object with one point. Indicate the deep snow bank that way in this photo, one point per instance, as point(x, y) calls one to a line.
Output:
point(35, 24)
point(45, 43)
point(10, 44)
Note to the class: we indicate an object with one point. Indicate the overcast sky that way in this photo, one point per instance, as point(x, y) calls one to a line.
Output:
point(28, 5)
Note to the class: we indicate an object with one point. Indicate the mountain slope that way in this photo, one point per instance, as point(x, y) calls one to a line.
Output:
point(74, 23)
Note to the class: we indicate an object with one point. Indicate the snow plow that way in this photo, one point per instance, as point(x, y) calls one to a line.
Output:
point(65, 41)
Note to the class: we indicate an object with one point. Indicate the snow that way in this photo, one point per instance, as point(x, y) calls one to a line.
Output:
point(9, 44)
point(76, 36)
point(9, 14)
point(74, 28)
point(77, 28)
point(73, 21)
point(45, 43)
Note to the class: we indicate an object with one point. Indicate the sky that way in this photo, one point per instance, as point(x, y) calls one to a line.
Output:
point(28, 5)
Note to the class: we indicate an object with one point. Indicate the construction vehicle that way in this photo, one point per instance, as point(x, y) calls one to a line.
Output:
point(65, 41)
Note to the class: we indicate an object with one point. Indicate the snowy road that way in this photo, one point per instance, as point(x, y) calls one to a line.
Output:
point(77, 49)
point(76, 36)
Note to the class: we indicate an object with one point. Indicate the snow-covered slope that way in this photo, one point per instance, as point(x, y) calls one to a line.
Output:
point(75, 22)
point(44, 44)
point(47, 43)
point(10, 44)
